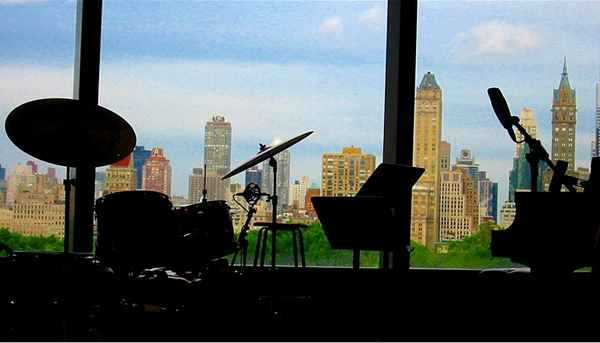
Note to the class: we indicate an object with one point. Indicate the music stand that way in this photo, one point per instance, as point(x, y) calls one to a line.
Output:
point(377, 200)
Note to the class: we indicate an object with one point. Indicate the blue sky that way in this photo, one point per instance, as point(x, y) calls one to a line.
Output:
point(277, 69)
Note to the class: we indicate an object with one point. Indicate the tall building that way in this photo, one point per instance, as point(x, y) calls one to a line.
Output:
point(140, 156)
point(157, 172)
point(299, 189)
point(39, 206)
point(343, 174)
point(564, 120)
point(427, 154)
point(196, 185)
point(283, 178)
point(445, 156)
point(120, 176)
point(20, 174)
point(459, 205)
point(217, 157)
point(2, 173)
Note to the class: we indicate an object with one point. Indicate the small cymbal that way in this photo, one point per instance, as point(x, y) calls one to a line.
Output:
point(70, 133)
point(266, 153)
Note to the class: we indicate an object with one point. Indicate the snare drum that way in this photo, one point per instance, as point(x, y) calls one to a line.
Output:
point(206, 230)
point(135, 229)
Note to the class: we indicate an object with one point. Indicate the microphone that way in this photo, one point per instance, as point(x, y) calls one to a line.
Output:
point(251, 193)
point(502, 111)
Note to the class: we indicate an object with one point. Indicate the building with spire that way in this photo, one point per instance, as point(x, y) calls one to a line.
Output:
point(157, 172)
point(217, 157)
point(427, 154)
point(564, 120)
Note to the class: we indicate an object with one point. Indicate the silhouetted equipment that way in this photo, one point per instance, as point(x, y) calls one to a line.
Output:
point(265, 153)
point(371, 220)
point(553, 232)
point(135, 230)
point(536, 152)
point(141, 229)
point(297, 240)
point(269, 153)
point(205, 231)
point(70, 133)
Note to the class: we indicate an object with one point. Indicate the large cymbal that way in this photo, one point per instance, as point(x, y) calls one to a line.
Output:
point(266, 153)
point(70, 133)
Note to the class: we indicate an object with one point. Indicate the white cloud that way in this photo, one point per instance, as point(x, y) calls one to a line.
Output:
point(496, 38)
point(373, 17)
point(333, 26)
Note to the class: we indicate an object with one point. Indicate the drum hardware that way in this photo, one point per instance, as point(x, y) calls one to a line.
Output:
point(268, 152)
point(69, 125)
point(251, 194)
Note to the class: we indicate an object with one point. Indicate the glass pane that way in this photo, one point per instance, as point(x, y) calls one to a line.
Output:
point(36, 61)
point(202, 78)
point(528, 49)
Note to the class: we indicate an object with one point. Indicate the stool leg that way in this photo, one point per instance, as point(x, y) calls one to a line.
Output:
point(302, 248)
point(295, 248)
point(264, 247)
point(260, 232)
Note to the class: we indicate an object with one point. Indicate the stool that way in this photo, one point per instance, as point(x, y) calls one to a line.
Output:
point(263, 233)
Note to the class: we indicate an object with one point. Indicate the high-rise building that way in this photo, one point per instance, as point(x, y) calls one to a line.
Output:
point(299, 189)
point(445, 156)
point(196, 185)
point(459, 205)
point(283, 178)
point(120, 176)
point(427, 154)
point(217, 157)
point(39, 207)
point(343, 174)
point(19, 174)
point(564, 120)
point(140, 156)
point(2, 173)
point(157, 172)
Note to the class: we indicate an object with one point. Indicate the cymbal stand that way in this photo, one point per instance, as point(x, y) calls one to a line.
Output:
point(273, 165)
point(68, 183)
point(242, 237)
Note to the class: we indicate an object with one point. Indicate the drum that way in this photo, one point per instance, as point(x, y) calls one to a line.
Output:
point(135, 230)
point(206, 231)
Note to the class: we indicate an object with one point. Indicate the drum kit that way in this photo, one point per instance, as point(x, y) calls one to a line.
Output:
point(137, 229)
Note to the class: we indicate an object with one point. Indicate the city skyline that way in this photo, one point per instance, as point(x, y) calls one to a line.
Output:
point(329, 67)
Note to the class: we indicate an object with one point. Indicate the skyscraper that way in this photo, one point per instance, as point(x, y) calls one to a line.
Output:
point(157, 172)
point(343, 174)
point(140, 155)
point(196, 185)
point(217, 157)
point(564, 120)
point(459, 206)
point(428, 137)
point(283, 178)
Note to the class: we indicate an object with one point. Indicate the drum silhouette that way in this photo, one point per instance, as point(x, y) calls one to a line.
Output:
point(135, 230)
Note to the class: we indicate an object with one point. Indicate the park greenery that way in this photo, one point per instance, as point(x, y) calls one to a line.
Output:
point(472, 252)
